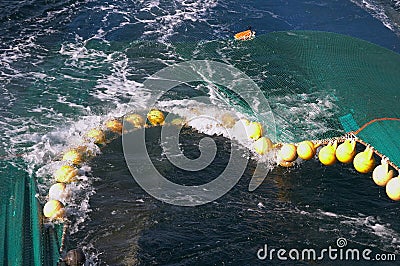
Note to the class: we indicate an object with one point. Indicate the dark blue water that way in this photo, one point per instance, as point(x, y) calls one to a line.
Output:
point(67, 66)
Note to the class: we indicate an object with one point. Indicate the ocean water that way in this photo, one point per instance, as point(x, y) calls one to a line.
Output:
point(68, 66)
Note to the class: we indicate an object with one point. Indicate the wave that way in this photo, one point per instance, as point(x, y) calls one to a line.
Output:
point(385, 12)
point(167, 16)
point(388, 238)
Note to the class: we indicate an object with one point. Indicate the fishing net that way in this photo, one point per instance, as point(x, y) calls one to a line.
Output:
point(363, 78)
point(319, 85)
point(359, 80)
point(24, 239)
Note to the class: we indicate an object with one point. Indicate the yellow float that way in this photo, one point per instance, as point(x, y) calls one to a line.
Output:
point(58, 191)
point(114, 125)
point(381, 174)
point(287, 153)
point(263, 145)
point(286, 164)
point(306, 150)
point(241, 127)
point(364, 162)
point(156, 117)
point(393, 188)
point(228, 120)
point(65, 174)
point(135, 120)
point(254, 130)
point(73, 156)
point(54, 209)
point(327, 154)
point(346, 151)
point(178, 122)
point(97, 135)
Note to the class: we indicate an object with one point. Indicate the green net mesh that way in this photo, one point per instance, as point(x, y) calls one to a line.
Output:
point(384, 136)
point(360, 79)
point(24, 240)
point(364, 77)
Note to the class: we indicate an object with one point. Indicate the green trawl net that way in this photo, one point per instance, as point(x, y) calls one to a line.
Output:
point(384, 136)
point(297, 70)
point(24, 240)
point(363, 77)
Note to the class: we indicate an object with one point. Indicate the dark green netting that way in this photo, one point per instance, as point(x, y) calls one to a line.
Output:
point(24, 239)
point(384, 135)
point(12, 217)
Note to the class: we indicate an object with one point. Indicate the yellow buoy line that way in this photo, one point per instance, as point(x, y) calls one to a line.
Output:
point(364, 162)
point(74, 157)
point(286, 154)
point(342, 149)
point(59, 193)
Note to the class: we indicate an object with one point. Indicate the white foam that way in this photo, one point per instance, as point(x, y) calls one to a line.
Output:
point(381, 234)
point(303, 116)
point(388, 237)
point(114, 87)
point(207, 118)
point(330, 214)
point(26, 46)
point(165, 21)
point(80, 57)
point(378, 11)
point(118, 88)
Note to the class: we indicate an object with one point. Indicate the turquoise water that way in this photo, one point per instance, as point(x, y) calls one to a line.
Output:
point(67, 66)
